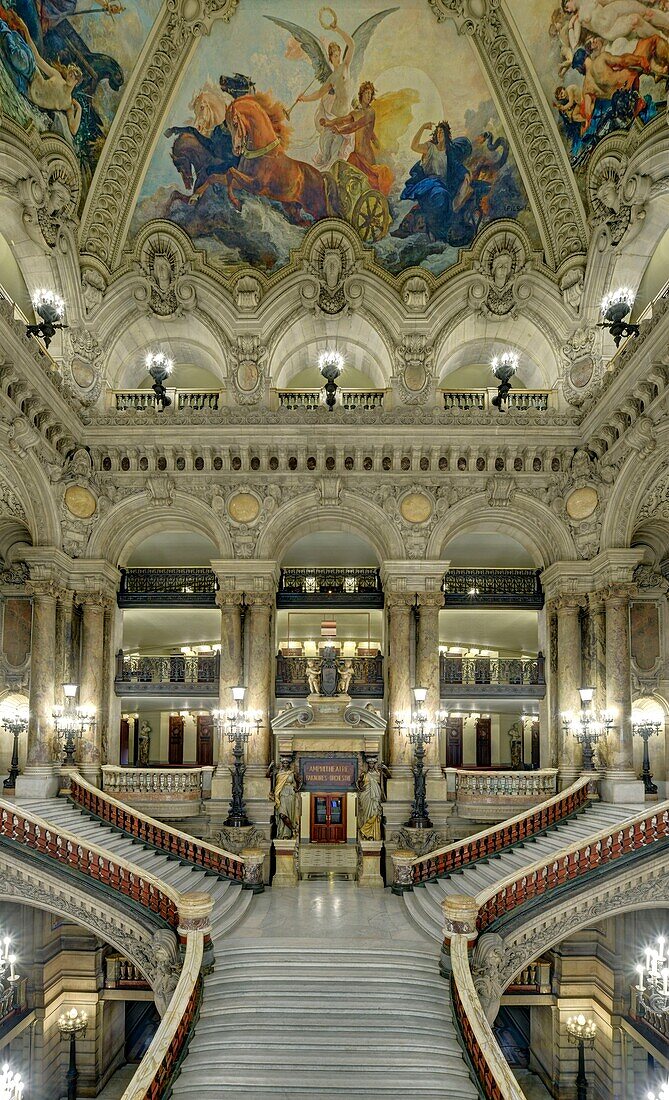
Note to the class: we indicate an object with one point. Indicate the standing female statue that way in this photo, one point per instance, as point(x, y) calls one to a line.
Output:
point(285, 794)
point(370, 798)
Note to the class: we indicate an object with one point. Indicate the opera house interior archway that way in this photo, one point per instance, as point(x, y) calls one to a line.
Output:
point(334, 549)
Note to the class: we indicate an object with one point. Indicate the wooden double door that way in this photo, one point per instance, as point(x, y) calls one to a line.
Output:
point(328, 819)
point(205, 740)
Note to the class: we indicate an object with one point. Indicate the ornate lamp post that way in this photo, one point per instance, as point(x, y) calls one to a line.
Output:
point(615, 307)
point(653, 986)
point(646, 727)
point(51, 308)
point(330, 364)
point(71, 1024)
point(581, 1033)
point(15, 722)
point(504, 367)
point(8, 982)
point(159, 367)
point(587, 727)
point(240, 724)
point(419, 730)
point(71, 722)
point(11, 1085)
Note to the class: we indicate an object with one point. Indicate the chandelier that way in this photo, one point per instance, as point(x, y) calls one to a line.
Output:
point(11, 1085)
point(587, 727)
point(159, 367)
point(51, 308)
point(663, 1094)
point(653, 986)
point(71, 722)
point(503, 366)
point(615, 307)
point(330, 364)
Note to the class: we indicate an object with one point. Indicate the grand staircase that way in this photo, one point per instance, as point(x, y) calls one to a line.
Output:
point(424, 902)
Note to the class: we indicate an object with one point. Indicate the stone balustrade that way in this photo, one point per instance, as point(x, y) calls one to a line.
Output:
point(122, 973)
point(309, 400)
point(494, 794)
point(533, 978)
point(179, 791)
point(145, 400)
point(480, 400)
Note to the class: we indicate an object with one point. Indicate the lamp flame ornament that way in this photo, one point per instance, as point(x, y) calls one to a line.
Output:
point(504, 367)
point(71, 722)
point(51, 308)
point(71, 1024)
point(11, 1085)
point(15, 722)
point(159, 367)
point(420, 731)
point(330, 364)
point(240, 725)
point(615, 307)
point(581, 1033)
point(652, 988)
point(646, 727)
point(588, 727)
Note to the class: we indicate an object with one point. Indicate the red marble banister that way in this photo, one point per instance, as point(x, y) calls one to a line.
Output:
point(155, 833)
point(505, 835)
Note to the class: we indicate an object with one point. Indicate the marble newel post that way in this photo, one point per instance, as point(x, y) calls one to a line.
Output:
point(259, 660)
point(400, 624)
point(620, 784)
point(427, 659)
point(93, 604)
point(38, 779)
point(569, 680)
point(230, 671)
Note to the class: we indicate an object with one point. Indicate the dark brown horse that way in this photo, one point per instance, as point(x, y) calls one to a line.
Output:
point(259, 134)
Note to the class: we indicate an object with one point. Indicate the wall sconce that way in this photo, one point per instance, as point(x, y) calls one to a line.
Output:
point(615, 307)
point(51, 308)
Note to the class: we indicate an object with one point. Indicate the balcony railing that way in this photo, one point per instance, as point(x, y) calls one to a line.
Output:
point(488, 676)
point(185, 587)
point(480, 400)
point(333, 587)
point(174, 674)
point(535, 978)
point(493, 588)
point(121, 973)
point(655, 1025)
point(180, 787)
point(144, 400)
point(366, 680)
point(495, 795)
point(310, 400)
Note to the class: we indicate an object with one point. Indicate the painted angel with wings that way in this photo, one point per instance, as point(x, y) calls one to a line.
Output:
point(338, 75)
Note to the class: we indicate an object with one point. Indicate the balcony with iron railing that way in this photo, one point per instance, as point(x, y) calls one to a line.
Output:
point(365, 681)
point(480, 400)
point(329, 587)
point(523, 677)
point(183, 587)
point(493, 588)
point(166, 674)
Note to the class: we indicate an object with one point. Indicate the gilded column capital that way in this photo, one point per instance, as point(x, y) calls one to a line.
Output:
point(261, 600)
point(45, 590)
point(596, 602)
point(95, 598)
point(431, 599)
point(399, 601)
point(566, 602)
point(228, 598)
point(620, 592)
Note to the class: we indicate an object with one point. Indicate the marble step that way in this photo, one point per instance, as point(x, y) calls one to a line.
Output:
point(389, 1030)
point(288, 1082)
point(327, 1054)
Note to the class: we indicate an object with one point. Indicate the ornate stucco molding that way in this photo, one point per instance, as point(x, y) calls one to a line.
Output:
point(541, 158)
point(155, 79)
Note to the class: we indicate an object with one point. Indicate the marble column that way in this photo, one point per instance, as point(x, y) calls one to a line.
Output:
point(64, 655)
point(427, 660)
point(569, 680)
point(230, 672)
point(399, 682)
point(259, 660)
point(620, 781)
point(39, 780)
point(597, 611)
point(94, 605)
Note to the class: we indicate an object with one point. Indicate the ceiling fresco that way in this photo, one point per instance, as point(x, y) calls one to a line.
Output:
point(64, 65)
point(605, 64)
point(368, 111)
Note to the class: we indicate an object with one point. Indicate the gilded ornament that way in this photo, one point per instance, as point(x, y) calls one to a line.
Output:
point(80, 501)
point(243, 507)
point(582, 502)
point(416, 508)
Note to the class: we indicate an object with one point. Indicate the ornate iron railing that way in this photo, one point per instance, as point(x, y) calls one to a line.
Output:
point(142, 400)
point(492, 676)
point(310, 400)
point(187, 587)
point(333, 587)
point(176, 674)
point(493, 588)
point(480, 400)
point(366, 679)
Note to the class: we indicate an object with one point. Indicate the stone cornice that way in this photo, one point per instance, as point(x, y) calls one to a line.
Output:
point(577, 578)
point(408, 577)
point(256, 578)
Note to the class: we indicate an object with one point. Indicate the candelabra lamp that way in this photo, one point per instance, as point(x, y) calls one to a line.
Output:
point(72, 1024)
point(588, 727)
point(504, 367)
point(8, 981)
point(646, 728)
point(581, 1034)
point(661, 1094)
point(71, 722)
point(15, 722)
point(652, 988)
point(238, 724)
point(51, 308)
point(159, 367)
point(419, 729)
point(11, 1085)
point(615, 308)
point(330, 364)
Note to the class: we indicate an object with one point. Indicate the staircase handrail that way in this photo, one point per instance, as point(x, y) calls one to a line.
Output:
point(164, 837)
point(89, 859)
point(571, 862)
point(489, 841)
point(488, 1062)
point(169, 1044)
